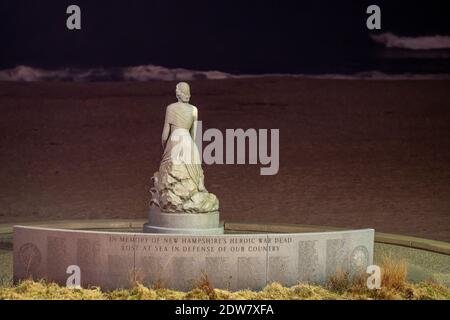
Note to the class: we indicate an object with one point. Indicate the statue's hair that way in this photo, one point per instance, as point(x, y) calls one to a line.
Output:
point(183, 91)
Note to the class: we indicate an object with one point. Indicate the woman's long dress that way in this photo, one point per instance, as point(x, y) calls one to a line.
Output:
point(179, 183)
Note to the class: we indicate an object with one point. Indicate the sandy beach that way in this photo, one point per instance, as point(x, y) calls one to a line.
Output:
point(353, 153)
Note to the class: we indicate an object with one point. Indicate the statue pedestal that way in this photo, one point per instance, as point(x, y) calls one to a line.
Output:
point(183, 223)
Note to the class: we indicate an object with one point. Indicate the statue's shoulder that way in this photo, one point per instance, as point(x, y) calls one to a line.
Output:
point(172, 105)
point(176, 105)
point(194, 110)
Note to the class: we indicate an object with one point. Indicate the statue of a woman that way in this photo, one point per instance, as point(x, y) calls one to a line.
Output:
point(179, 184)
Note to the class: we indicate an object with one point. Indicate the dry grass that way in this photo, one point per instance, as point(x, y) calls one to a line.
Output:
point(339, 282)
point(393, 273)
point(49, 291)
point(204, 286)
point(394, 285)
point(341, 286)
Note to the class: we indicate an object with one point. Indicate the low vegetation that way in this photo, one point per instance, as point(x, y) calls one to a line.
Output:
point(342, 286)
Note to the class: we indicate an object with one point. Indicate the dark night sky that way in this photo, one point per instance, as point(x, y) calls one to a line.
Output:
point(234, 36)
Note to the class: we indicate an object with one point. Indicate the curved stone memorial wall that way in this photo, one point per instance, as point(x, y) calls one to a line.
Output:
point(112, 260)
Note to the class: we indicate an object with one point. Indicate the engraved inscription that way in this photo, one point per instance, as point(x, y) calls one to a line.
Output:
point(220, 272)
point(308, 262)
point(117, 260)
point(185, 272)
point(279, 269)
point(152, 271)
point(251, 272)
point(57, 258)
point(30, 258)
point(120, 270)
point(88, 259)
point(337, 256)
